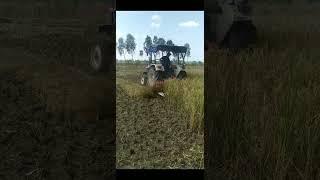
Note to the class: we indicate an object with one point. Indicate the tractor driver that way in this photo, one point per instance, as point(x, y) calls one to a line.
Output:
point(165, 61)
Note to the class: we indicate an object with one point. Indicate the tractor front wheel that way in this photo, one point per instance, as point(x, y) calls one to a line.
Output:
point(182, 75)
point(144, 80)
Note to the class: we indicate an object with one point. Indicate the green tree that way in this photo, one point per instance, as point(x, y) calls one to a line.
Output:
point(187, 45)
point(170, 43)
point(155, 40)
point(130, 44)
point(121, 47)
point(161, 41)
point(147, 43)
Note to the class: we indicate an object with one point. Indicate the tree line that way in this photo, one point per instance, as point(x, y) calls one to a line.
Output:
point(128, 45)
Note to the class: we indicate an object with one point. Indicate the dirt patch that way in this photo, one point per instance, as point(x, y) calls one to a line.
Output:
point(153, 134)
point(47, 133)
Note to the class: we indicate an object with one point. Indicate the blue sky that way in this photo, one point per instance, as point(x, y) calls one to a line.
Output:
point(179, 26)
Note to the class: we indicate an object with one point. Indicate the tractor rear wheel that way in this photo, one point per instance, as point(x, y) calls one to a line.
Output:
point(101, 55)
point(182, 75)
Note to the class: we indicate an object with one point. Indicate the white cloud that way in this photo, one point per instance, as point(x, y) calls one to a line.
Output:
point(155, 25)
point(156, 18)
point(189, 24)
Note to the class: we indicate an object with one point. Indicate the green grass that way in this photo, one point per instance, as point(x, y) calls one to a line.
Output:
point(188, 96)
point(263, 107)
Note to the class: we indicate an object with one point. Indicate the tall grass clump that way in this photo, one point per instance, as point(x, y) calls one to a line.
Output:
point(188, 95)
point(263, 106)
